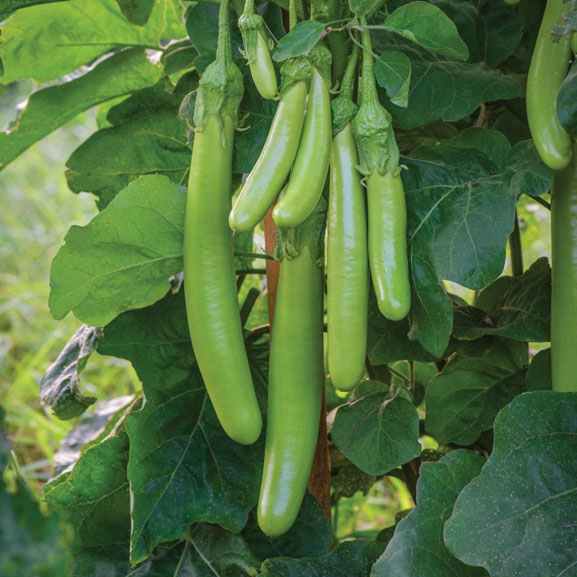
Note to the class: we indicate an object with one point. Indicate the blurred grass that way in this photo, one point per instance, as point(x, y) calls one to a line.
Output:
point(37, 211)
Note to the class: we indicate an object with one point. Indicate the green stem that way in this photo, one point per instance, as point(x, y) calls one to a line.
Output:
point(541, 201)
point(412, 376)
point(399, 374)
point(349, 76)
point(223, 49)
point(516, 249)
point(369, 93)
point(249, 8)
point(293, 17)
point(253, 255)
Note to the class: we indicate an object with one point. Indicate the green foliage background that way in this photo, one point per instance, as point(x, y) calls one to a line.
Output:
point(158, 482)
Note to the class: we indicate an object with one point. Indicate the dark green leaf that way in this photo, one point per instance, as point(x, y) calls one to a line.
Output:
point(258, 115)
point(202, 28)
point(428, 26)
point(146, 137)
point(300, 40)
point(445, 90)
point(348, 559)
point(393, 73)
point(349, 480)
point(515, 307)
point(31, 543)
point(417, 548)
point(48, 41)
point(136, 11)
point(59, 387)
point(364, 7)
point(461, 207)
point(492, 30)
point(567, 102)
point(539, 373)
point(50, 108)
point(518, 516)
point(183, 467)
point(463, 400)
point(218, 552)
point(310, 536)
point(124, 257)
point(178, 56)
point(94, 499)
point(377, 433)
point(388, 341)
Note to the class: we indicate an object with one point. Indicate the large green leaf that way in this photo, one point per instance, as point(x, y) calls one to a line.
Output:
point(50, 108)
point(514, 307)
point(124, 257)
point(348, 559)
point(94, 499)
point(518, 517)
point(393, 73)
point(461, 209)
point(59, 387)
point(377, 431)
point(50, 40)
point(428, 26)
point(491, 29)
point(300, 40)
point(31, 543)
point(183, 467)
point(539, 372)
point(10, 6)
point(310, 536)
point(417, 548)
point(443, 89)
point(388, 341)
point(464, 398)
point(145, 137)
point(567, 102)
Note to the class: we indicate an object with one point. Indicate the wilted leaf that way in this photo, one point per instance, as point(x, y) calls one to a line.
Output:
point(59, 387)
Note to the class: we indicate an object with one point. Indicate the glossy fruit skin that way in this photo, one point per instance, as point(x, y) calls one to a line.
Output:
point(210, 286)
point(388, 259)
point(274, 163)
point(295, 389)
point(347, 266)
point(311, 165)
point(549, 65)
point(564, 279)
point(262, 69)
